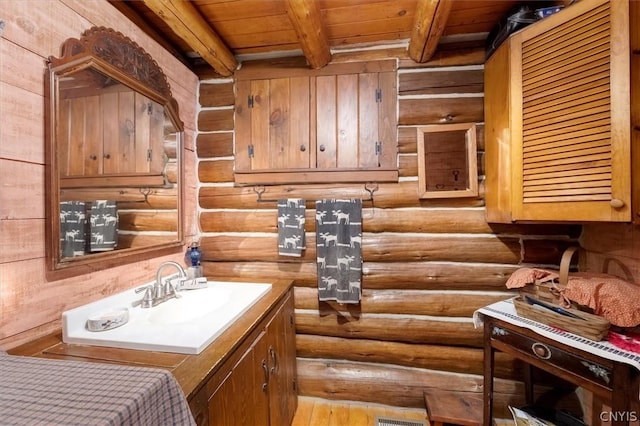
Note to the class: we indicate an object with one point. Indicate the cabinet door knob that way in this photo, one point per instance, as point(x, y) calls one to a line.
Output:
point(93, 157)
point(617, 203)
point(107, 156)
point(303, 148)
point(322, 148)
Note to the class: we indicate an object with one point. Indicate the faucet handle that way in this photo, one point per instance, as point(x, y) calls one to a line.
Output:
point(170, 289)
point(143, 288)
point(147, 298)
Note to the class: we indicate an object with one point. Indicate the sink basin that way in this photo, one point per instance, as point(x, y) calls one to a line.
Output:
point(192, 305)
point(184, 325)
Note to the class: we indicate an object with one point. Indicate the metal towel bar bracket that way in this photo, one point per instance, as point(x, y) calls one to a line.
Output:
point(370, 187)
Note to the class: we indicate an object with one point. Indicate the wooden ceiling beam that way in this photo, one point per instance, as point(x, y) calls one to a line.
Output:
point(430, 20)
point(307, 22)
point(185, 20)
point(128, 11)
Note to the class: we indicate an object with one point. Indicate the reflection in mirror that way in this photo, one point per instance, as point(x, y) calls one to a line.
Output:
point(114, 148)
point(447, 161)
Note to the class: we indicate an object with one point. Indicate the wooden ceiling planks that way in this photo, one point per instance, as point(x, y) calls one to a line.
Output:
point(472, 16)
point(358, 22)
point(271, 28)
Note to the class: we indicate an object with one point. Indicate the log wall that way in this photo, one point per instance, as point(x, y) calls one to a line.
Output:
point(613, 248)
point(30, 305)
point(427, 264)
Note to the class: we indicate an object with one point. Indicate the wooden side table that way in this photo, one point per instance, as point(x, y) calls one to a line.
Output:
point(614, 381)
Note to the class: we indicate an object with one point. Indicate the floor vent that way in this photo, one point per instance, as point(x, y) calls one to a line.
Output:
point(386, 421)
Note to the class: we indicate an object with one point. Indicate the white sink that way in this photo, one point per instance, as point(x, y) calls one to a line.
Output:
point(185, 325)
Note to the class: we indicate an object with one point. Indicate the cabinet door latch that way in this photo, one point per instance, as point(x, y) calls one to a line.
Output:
point(250, 150)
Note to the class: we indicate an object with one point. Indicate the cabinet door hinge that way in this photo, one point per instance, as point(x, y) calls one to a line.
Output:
point(149, 108)
point(149, 151)
point(295, 385)
point(378, 96)
point(378, 149)
point(250, 150)
point(250, 101)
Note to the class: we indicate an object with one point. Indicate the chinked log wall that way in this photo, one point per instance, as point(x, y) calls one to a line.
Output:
point(427, 264)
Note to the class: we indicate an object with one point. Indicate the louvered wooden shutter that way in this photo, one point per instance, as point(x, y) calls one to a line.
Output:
point(567, 113)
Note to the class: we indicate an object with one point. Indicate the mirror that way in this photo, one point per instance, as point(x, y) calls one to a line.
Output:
point(447, 161)
point(114, 143)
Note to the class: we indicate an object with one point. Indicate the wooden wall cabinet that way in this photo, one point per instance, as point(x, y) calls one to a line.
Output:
point(557, 118)
point(257, 384)
point(334, 124)
point(120, 133)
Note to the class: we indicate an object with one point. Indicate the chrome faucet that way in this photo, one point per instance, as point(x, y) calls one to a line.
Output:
point(160, 292)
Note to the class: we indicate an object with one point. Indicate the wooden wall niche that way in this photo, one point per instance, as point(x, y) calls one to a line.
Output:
point(447, 164)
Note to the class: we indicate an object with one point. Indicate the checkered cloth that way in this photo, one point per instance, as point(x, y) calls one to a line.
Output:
point(36, 391)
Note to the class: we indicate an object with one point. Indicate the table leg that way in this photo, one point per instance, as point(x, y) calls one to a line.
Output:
point(528, 384)
point(488, 375)
point(621, 407)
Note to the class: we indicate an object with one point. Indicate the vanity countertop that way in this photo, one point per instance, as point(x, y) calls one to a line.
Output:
point(190, 371)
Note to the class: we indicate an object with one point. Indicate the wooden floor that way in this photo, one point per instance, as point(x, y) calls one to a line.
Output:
point(321, 412)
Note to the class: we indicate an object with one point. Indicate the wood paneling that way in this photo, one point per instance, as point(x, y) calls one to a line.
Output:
point(428, 265)
point(423, 220)
point(410, 302)
point(440, 110)
point(215, 119)
point(612, 248)
point(433, 357)
point(378, 247)
point(397, 386)
point(214, 145)
point(443, 81)
point(31, 305)
point(217, 95)
point(397, 195)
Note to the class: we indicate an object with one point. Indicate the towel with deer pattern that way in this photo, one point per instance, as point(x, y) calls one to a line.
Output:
point(103, 225)
point(339, 250)
point(291, 220)
point(73, 223)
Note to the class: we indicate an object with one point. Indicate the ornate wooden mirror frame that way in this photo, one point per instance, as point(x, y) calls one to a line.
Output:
point(113, 134)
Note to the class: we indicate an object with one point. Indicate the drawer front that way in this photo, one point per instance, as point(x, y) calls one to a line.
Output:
point(555, 356)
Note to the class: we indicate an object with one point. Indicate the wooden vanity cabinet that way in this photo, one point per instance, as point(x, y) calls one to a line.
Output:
point(257, 384)
point(558, 120)
point(297, 125)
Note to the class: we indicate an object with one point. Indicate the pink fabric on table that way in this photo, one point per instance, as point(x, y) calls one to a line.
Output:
point(610, 297)
point(523, 276)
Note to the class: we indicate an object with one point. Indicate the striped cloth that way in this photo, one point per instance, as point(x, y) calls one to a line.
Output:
point(36, 391)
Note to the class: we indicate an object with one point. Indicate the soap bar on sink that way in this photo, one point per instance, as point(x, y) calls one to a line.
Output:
point(108, 320)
